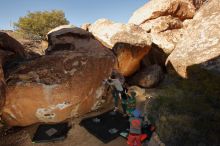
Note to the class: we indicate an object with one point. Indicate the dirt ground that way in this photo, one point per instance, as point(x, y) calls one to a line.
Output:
point(77, 136)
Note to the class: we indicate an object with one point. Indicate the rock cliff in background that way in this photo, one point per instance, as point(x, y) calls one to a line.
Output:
point(10, 49)
point(200, 44)
point(65, 83)
point(129, 42)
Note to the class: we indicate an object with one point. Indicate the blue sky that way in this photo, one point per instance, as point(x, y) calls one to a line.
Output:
point(76, 11)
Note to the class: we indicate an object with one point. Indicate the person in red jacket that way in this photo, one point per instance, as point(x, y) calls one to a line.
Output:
point(136, 122)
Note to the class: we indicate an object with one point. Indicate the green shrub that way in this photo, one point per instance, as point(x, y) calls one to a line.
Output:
point(37, 24)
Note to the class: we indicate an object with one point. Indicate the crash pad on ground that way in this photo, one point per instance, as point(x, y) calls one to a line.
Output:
point(107, 126)
point(51, 132)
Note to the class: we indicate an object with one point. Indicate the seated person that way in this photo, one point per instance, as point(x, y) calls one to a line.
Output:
point(136, 123)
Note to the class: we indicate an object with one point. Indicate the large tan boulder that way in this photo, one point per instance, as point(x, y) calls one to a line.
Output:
point(65, 83)
point(163, 19)
point(182, 9)
point(167, 40)
point(199, 46)
point(165, 32)
point(162, 24)
point(72, 38)
point(129, 42)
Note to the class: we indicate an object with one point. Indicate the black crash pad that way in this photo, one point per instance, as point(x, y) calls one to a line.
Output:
point(51, 132)
point(107, 126)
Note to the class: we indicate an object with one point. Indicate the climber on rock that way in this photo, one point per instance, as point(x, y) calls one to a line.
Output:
point(117, 89)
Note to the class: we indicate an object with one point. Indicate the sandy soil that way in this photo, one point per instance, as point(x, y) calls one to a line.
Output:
point(77, 136)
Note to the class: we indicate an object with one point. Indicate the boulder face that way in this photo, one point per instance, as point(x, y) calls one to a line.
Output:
point(10, 49)
point(8, 43)
point(199, 46)
point(155, 56)
point(183, 9)
point(148, 77)
point(110, 33)
point(64, 83)
point(165, 31)
point(163, 19)
point(73, 39)
point(167, 40)
point(129, 57)
point(129, 42)
point(162, 23)
point(33, 47)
